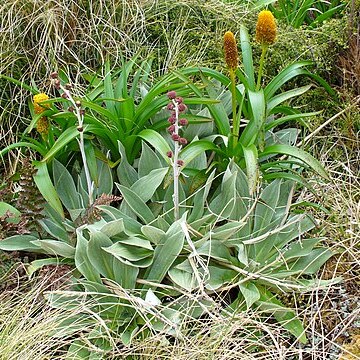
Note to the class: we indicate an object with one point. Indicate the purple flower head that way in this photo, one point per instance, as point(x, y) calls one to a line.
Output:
point(182, 107)
point(183, 122)
point(183, 141)
point(171, 129)
point(170, 106)
point(172, 119)
point(171, 95)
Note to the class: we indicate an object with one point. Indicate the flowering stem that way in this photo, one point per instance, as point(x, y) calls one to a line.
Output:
point(176, 167)
point(261, 66)
point(236, 124)
point(86, 168)
point(80, 118)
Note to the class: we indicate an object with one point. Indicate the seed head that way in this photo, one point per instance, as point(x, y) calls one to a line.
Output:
point(171, 95)
point(183, 141)
point(64, 95)
point(183, 122)
point(171, 129)
point(57, 84)
point(230, 51)
point(78, 103)
point(68, 86)
point(172, 120)
point(37, 99)
point(182, 107)
point(54, 75)
point(266, 28)
point(71, 109)
point(82, 112)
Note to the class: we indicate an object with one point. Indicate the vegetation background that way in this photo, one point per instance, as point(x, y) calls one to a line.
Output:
point(38, 37)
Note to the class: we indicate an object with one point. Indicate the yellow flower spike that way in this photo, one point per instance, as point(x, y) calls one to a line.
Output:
point(231, 52)
point(42, 126)
point(38, 109)
point(266, 28)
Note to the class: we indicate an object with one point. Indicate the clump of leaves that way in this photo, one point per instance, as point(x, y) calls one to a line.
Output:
point(141, 272)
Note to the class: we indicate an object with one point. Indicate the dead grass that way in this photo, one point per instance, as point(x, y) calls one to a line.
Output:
point(334, 315)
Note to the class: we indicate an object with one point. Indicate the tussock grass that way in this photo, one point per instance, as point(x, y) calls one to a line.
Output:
point(334, 315)
point(38, 36)
point(27, 323)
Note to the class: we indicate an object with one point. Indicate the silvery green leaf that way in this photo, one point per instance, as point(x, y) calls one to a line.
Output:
point(250, 292)
point(226, 231)
point(146, 186)
point(136, 204)
point(82, 261)
point(200, 199)
point(19, 243)
point(105, 180)
point(154, 234)
point(131, 226)
point(216, 250)
point(220, 277)
point(183, 276)
point(127, 175)
point(166, 252)
point(265, 208)
point(100, 259)
point(125, 274)
point(152, 299)
point(54, 247)
point(55, 229)
point(310, 264)
point(148, 160)
point(223, 204)
point(113, 228)
point(242, 254)
point(65, 187)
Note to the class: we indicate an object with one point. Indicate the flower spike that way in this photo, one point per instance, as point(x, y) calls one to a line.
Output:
point(230, 50)
point(266, 28)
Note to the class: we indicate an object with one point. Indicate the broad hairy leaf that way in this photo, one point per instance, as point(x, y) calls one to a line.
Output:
point(46, 188)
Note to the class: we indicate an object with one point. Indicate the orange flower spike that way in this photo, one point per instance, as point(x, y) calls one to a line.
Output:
point(38, 109)
point(266, 28)
point(230, 50)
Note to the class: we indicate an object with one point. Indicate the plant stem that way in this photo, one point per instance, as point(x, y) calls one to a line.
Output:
point(261, 67)
point(236, 123)
point(176, 167)
point(86, 168)
point(80, 118)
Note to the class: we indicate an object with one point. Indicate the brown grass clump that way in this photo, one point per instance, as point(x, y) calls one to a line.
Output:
point(352, 351)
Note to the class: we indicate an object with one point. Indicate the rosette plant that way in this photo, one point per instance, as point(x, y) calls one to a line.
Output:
point(142, 268)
